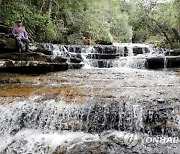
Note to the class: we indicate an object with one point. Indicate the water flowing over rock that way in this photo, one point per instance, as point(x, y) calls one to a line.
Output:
point(114, 104)
point(38, 60)
point(139, 56)
point(90, 111)
point(118, 55)
point(54, 121)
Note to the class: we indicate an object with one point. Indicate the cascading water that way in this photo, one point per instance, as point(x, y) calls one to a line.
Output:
point(125, 55)
point(110, 111)
point(46, 127)
point(116, 56)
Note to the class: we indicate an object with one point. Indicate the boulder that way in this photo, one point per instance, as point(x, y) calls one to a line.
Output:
point(5, 29)
point(137, 50)
point(42, 48)
point(7, 43)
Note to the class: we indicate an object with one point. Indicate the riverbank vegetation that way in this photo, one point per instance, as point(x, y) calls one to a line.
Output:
point(66, 21)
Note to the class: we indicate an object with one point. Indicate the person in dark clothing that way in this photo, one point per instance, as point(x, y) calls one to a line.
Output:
point(21, 36)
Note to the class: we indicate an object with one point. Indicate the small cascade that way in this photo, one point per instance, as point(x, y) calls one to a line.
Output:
point(113, 56)
point(60, 51)
point(28, 121)
point(57, 117)
point(93, 111)
point(88, 52)
point(56, 51)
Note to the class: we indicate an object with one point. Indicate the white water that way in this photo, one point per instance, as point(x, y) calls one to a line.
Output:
point(125, 55)
point(43, 127)
point(110, 103)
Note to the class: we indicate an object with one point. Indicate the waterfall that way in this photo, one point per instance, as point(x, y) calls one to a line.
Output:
point(93, 110)
point(111, 56)
point(56, 117)
point(42, 127)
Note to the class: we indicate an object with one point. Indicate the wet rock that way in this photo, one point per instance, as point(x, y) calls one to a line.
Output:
point(75, 48)
point(106, 49)
point(7, 43)
point(158, 118)
point(28, 56)
point(43, 48)
point(75, 65)
point(112, 116)
point(162, 62)
point(103, 63)
point(79, 56)
point(140, 50)
point(102, 56)
point(101, 42)
point(75, 60)
point(161, 101)
point(60, 150)
point(155, 63)
point(125, 52)
point(56, 59)
point(173, 61)
point(175, 52)
point(137, 50)
point(91, 147)
point(41, 56)
point(29, 67)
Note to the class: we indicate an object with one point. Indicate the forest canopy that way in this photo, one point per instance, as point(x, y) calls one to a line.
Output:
point(66, 21)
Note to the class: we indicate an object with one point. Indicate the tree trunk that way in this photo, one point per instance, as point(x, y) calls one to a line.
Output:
point(42, 6)
point(163, 32)
point(176, 34)
point(50, 8)
point(0, 2)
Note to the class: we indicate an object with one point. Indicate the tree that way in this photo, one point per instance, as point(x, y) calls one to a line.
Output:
point(154, 20)
point(66, 21)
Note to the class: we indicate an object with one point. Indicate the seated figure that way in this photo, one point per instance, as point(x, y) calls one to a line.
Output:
point(20, 34)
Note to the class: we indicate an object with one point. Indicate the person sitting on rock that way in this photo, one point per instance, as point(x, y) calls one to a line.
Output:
point(21, 36)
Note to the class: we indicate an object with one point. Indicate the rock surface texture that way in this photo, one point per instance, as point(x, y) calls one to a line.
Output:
point(37, 60)
point(46, 57)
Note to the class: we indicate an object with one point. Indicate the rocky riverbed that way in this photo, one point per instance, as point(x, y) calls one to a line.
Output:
point(100, 99)
point(44, 57)
point(90, 111)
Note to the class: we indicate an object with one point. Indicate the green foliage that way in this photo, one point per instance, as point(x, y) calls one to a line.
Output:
point(66, 21)
point(39, 26)
point(120, 29)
